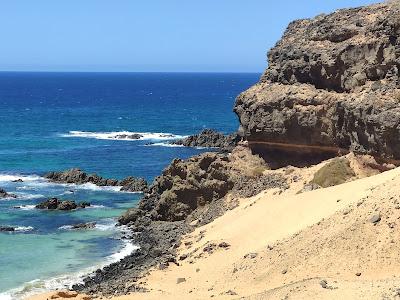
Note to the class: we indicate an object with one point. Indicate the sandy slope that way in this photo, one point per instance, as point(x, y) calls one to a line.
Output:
point(294, 241)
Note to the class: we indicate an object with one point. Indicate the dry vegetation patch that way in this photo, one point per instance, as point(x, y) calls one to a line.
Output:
point(336, 172)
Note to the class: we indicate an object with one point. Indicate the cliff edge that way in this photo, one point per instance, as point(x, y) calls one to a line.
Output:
point(332, 86)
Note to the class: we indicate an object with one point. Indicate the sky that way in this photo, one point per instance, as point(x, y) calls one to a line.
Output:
point(148, 35)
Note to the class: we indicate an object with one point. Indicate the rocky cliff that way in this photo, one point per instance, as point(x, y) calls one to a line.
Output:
point(332, 84)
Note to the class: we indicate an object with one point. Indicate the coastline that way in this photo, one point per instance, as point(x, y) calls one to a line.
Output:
point(240, 253)
point(63, 281)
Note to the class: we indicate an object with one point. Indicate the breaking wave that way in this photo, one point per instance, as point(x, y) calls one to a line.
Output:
point(124, 135)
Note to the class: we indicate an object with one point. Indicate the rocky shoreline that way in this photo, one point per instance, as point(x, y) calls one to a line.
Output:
point(332, 87)
point(188, 194)
point(76, 176)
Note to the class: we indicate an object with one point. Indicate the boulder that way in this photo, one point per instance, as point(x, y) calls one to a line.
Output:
point(48, 204)
point(332, 85)
point(67, 205)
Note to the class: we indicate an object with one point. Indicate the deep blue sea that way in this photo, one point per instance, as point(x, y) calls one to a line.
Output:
point(56, 121)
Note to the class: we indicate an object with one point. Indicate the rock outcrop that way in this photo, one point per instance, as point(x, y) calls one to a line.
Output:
point(210, 138)
point(76, 176)
point(7, 229)
point(83, 226)
point(187, 190)
point(57, 204)
point(4, 194)
point(188, 185)
point(332, 84)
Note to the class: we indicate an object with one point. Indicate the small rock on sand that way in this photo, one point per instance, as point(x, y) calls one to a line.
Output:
point(323, 283)
point(232, 293)
point(180, 280)
point(251, 255)
point(375, 219)
point(224, 245)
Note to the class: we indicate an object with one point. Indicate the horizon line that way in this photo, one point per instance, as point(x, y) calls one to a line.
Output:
point(155, 72)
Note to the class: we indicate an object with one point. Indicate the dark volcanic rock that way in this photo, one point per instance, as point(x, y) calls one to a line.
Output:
point(332, 84)
point(133, 184)
point(130, 216)
point(67, 205)
point(6, 229)
point(4, 194)
point(188, 185)
point(76, 176)
point(55, 203)
point(82, 226)
point(133, 136)
point(210, 138)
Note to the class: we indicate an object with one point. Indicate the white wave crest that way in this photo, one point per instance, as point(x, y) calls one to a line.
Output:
point(23, 228)
point(93, 187)
point(25, 207)
point(124, 135)
point(14, 177)
point(26, 196)
point(163, 145)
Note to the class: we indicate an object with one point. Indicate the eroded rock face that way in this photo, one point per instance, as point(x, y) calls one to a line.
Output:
point(332, 83)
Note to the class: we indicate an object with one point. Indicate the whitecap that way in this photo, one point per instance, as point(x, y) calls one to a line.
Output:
point(164, 145)
point(93, 187)
point(26, 196)
point(23, 228)
point(12, 177)
point(65, 227)
point(96, 206)
point(26, 207)
point(123, 135)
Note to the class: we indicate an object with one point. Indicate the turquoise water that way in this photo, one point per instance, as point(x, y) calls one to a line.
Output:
point(55, 121)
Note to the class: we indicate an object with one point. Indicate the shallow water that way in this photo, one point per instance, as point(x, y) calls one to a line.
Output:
point(55, 121)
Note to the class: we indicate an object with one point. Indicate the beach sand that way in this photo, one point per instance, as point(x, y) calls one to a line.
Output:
point(313, 245)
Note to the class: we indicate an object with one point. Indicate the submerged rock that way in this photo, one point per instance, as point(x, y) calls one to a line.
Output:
point(332, 84)
point(4, 194)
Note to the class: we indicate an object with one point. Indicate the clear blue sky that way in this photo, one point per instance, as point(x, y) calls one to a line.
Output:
point(147, 35)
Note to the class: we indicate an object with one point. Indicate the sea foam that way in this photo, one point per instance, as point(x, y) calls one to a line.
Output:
point(118, 135)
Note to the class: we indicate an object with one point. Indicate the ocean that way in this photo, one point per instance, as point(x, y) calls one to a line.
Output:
point(56, 121)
